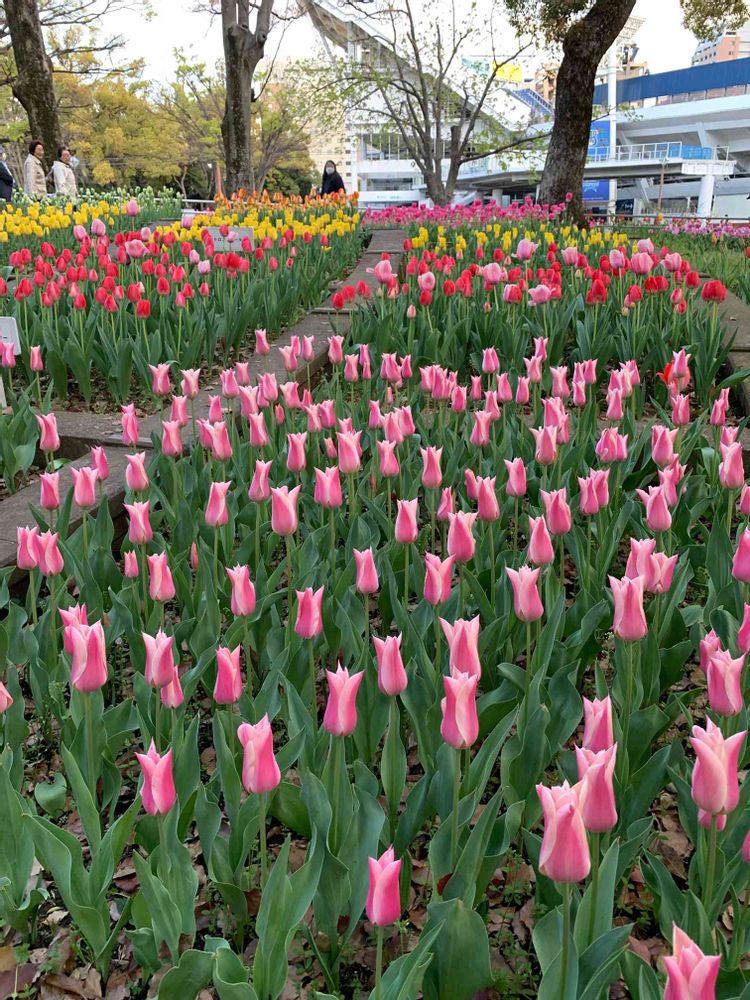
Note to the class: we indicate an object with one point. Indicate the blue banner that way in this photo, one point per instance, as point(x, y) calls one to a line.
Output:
point(596, 190)
point(599, 140)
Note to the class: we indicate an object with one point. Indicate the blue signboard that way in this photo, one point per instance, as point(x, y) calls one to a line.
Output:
point(596, 190)
point(599, 140)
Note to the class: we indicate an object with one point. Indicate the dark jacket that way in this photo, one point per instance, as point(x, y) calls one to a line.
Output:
point(331, 183)
point(6, 182)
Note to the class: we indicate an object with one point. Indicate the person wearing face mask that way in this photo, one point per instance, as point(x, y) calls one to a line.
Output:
point(63, 174)
point(7, 181)
point(34, 183)
point(332, 182)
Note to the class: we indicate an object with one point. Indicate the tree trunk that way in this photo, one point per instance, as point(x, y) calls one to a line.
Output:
point(243, 50)
point(33, 87)
point(584, 46)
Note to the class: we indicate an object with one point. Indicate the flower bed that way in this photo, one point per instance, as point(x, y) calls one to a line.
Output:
point(434, 668)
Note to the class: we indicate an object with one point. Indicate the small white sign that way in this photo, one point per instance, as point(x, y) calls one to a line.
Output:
point(9, 333)
point(233, 241)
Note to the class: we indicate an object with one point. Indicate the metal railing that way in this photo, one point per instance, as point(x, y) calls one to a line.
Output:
point(657, 151)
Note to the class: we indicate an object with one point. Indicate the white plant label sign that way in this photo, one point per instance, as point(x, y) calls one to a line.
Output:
point(9, 333)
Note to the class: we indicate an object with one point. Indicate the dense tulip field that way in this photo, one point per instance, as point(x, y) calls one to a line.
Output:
point(426, 680)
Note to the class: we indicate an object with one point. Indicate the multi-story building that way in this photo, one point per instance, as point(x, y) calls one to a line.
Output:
point(728, 45)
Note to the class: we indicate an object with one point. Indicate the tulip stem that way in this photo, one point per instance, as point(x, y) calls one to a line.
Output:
point(515, 526)
point(406, 575)
point(565, 942)
point(332, 521)
point(216, 561)
point(438, 649)
point(262, 832)
point(85, 525)
point(289, 591)
point(730, 498)
point(157, 718)
point(313, 699)
point(708, 885)
point(454, 813)
point(595, 855)
point(163, 852)
point(32, 595)
point(87, 708)
point(460, 590)
point(490, 529)
point(257, 536)
point(379, 964)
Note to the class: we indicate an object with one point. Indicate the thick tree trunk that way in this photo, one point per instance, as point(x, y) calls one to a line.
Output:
point(243, 50)
point(585, 44)
point(33, 87)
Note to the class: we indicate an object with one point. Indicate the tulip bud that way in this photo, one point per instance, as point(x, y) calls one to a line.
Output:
point(383, 896)
point(340, 718)
point(309, 613)
point(228, 686)
point(564, 855)
point(392, 678)
point(158, 793)
point(595, 772)
point(460, 725)
point(260, 771)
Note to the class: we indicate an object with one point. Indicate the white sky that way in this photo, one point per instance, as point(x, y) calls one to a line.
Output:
point(174, 26)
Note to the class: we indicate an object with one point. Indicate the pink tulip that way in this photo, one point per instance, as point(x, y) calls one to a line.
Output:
point(35, 359)
point(49, 483)
point(724, 687)
point(335, 350)
point(217, 513)
point(309, 612)
point(437, 579)
point(662, 444)
point(171, 693)
point(488, 509)
point(612, 446)
point(27, 547)
point(159, 658)
point(460, 725)
point(384, 896)
point(392, 678)
point(661, 572)
point(136, 477)
point(260, 490)
point(228, 686)
point(140, 531)
point(463, 644)
point(348, 452)
point(100, 463)
point(629, 617)
point(367, 574)
point(557, 511)
point(284, 517)
point(160, 586)
point(731, 469)
point(490, 362)
point(707, 646)
point(328, 487)
point(160, 384)
point(51, 562)
point(296, 458)
point(715, 787)
point(190, 384)
point(588, 501)
point(261, 342)
point(743, 636)
point(691, 975)
point(461, 542)
point(171, 441)
point(480, 432)
point(522, 390)
point(658, 516)
point(158, 793)
point(595, 772)
point(639, 559)
point(49, 438)
point(84, 487)
point(516, 485)
point(432, 477)
point(719, 409)
point(130, 432)
point(598, 733)
point(527, 603)
point(87, 645)
point(741, 560)
point(260, 771)
point(546, 445)
point(446, 506)
point(131, 569)
point(340, 718)
point(6, 699)
point(243, 591)
point(406, 530)
point(533, 369)
point(564, 856)
point(541, 551)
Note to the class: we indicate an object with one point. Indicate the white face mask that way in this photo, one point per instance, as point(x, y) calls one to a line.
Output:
point(329, 170)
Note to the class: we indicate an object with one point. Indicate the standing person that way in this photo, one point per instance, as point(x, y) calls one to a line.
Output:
point(34, 183)
point(332, 182)
point(63, 174)
point(7, 181)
